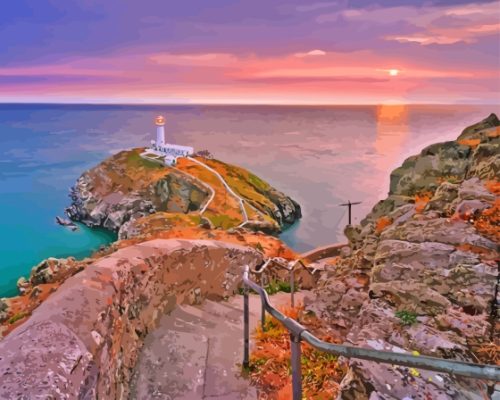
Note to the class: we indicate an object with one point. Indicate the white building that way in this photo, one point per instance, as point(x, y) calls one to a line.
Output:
point(166, 151)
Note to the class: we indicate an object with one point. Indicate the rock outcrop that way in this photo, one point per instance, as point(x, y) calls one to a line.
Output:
point(126, 188)
point(83, 341)
point(423, 274)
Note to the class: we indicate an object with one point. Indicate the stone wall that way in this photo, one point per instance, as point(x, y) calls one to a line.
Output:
point(84, 340)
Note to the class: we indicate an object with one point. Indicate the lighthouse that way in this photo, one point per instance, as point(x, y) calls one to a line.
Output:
point(163, 152)
point(160, 130)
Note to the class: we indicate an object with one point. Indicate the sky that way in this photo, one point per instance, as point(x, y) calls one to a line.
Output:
point(250, 51)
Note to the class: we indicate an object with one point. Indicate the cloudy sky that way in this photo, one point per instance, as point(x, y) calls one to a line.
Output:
point(250, 51)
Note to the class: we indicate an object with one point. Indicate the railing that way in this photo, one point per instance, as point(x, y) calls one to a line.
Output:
point(299, 333)
point(291, 270)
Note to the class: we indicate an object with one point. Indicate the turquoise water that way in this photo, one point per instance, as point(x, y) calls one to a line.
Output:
point(320, 156)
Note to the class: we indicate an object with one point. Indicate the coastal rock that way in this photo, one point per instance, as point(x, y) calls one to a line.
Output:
point(423, 172)
point(287, 210)
point(474, 189)
point(424, 260)
point(485, 162)
point(123, 188)
point(65, 222)
point(481, 130)
point(443, 198)
point(4, 308)
point(442, 230)
point(52, 270)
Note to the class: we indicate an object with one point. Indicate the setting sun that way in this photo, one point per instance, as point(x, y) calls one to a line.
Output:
point(393, 72)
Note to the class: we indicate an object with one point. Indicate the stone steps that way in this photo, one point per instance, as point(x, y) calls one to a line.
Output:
point(196, 352)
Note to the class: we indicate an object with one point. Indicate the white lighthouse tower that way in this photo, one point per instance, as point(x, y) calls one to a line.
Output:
point(163, 152)
point(160, 130)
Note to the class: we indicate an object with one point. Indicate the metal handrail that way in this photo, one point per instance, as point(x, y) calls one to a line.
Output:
point(298, 332)
point(291, 270)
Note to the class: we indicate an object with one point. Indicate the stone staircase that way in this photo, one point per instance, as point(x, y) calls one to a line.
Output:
point(196, 352)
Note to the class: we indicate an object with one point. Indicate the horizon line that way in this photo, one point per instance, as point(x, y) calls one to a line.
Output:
point(246, 104)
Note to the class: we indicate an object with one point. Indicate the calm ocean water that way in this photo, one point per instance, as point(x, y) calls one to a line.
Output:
point(321, 156)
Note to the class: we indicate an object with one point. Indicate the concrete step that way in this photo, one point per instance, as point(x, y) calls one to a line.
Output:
point(196, 352)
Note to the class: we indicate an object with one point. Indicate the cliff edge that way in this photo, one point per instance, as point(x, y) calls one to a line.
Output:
point(421, 272)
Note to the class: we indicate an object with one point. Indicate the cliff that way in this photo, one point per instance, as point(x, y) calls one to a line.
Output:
point(421, 274)
point(124, 191)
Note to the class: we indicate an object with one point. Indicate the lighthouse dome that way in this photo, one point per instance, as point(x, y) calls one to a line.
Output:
point(160, 120)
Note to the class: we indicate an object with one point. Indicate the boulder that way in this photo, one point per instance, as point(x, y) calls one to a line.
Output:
point(424, 172)
point(4, 310)
point(442, 230)
point(23, 285)
point(52, 270)
point(485, 163)
point(480, 130)
point(443, 198)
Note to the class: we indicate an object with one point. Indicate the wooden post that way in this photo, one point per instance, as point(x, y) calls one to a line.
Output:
point(349, 207)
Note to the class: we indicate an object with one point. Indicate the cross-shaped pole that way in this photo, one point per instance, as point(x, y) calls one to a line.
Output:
point(349, 206)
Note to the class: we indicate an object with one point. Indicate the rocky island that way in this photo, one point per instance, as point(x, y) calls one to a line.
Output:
point(134, 197)
point(419, 275)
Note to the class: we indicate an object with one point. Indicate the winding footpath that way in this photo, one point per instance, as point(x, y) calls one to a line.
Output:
point(228, 188)
point(241, 200)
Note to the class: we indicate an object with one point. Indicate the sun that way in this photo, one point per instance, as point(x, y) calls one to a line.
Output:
point(393, 72)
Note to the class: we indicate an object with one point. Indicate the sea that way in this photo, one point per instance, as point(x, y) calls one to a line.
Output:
point(322, 156)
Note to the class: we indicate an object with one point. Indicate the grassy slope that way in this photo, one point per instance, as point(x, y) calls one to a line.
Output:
point(246, 185)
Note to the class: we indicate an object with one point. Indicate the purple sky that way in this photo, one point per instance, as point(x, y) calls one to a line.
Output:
point(252, 51)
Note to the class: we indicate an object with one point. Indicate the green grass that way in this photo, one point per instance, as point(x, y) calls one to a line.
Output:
point(407, 317)
point(278, 286)
point(272, 288)
point(134, 160)
point(222, 221)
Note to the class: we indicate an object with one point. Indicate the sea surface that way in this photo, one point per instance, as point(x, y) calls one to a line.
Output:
point(321, 156)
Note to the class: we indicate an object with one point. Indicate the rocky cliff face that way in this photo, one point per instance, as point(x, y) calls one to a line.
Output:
point(83, 341)
point(125, 187)
point(123, 191)
point(422, 274)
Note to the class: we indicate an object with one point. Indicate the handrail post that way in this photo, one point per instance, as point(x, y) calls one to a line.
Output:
point(263, 316)
point(292, 287)
point(296, 367)
point(246, 327)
